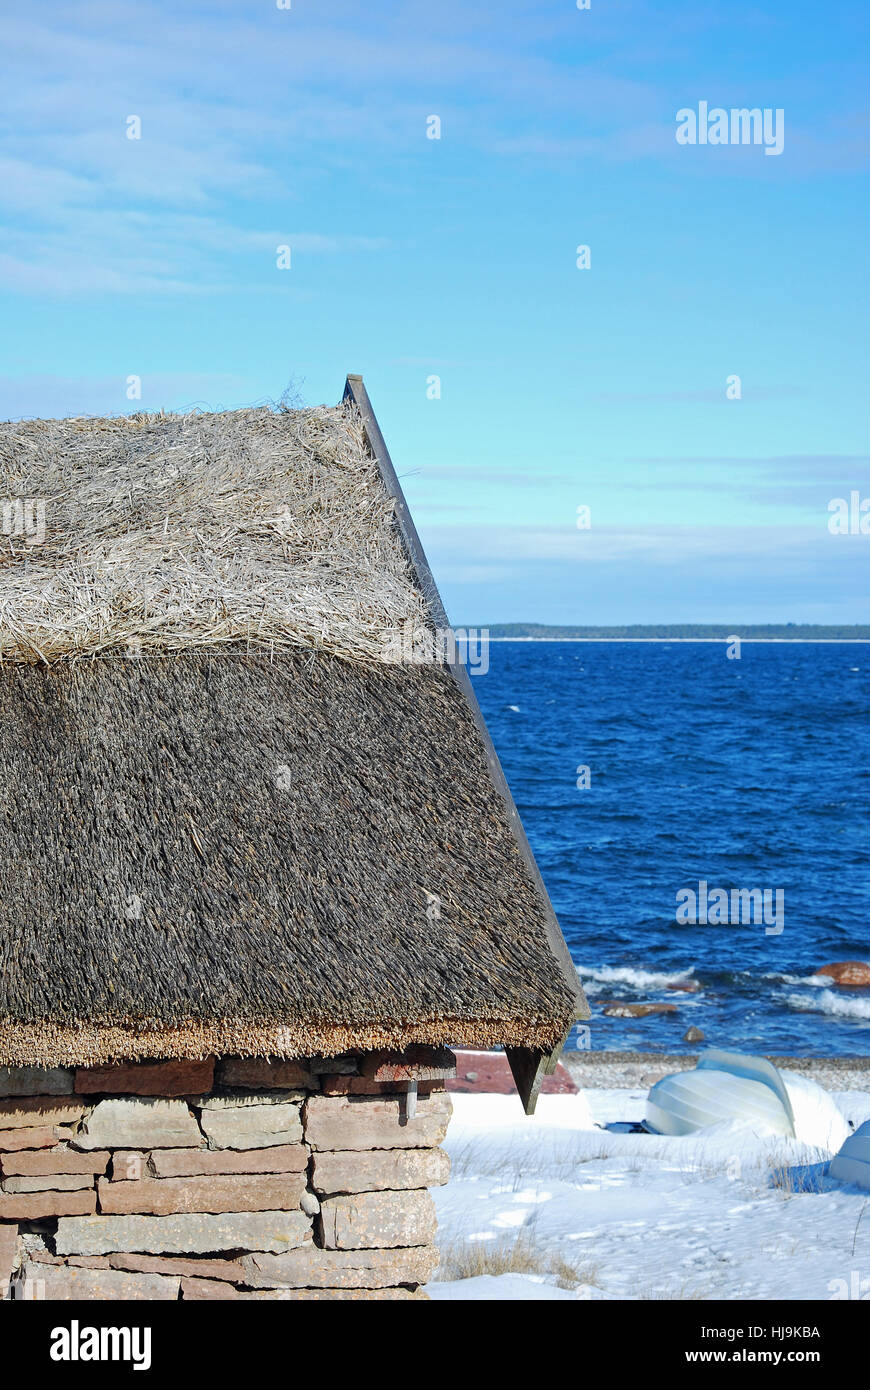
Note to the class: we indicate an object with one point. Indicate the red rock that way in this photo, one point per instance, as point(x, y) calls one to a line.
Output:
point(86, 1283)
point(266, 1073)
point(183, 1163)
point(231, 1271)
point(44, 1138)
point(129, 1164)
point(147, 1079)
point(853, 974)
point(489, 1073)
point(38, 1206)
point(42, 1164)
point(29, 1111)
point(416, 1063)
point(214, 1193)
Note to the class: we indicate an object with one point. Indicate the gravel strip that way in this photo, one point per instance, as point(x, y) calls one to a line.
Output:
point(638, 1070)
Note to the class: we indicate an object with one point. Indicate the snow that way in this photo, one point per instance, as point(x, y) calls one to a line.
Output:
point(497, 1286)
point(605, 1213)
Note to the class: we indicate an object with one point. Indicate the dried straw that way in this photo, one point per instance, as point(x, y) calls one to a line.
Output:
point(253, 528)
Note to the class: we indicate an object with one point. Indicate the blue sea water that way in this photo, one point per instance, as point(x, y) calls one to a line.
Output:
point(744, 773)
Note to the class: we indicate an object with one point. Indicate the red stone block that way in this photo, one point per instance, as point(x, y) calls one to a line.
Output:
point(174, 1078)
point(416, 1063)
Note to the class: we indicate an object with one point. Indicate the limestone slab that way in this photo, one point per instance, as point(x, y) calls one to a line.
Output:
point(337, 1269)
point(336, 1171)
point(139, 1122)
point(357, 1122)
point(53, 1182)
point(252, 1127)
point(212, 1193)
point(272, 1231)
point(377, 1220)
point(36, 1081)
point(56, 1283)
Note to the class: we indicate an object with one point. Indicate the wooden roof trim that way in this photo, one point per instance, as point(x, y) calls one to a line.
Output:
point(528, 1068)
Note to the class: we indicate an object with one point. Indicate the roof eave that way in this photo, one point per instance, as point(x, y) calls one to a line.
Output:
point(527, 1065)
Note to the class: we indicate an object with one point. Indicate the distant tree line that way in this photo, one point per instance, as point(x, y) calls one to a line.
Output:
point(831, 632)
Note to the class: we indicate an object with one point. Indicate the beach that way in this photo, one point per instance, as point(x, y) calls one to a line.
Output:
point(574, 1203)
point(630, 1070)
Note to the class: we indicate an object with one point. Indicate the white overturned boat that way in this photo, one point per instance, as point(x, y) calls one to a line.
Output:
point(735, 1088)
point(724, 1087)
point(852, 1163)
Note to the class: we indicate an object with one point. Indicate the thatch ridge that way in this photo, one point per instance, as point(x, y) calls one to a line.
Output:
point(156, 533)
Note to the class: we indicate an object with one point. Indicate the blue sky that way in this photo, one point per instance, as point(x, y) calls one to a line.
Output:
point(456, 258)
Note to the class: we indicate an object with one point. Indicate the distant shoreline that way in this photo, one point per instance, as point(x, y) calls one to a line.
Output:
point(675, 632)
point(785, 641)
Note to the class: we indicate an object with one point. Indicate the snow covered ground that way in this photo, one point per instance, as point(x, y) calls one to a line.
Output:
point(557, 1206)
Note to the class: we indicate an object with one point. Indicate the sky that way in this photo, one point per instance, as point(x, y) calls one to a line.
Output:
point(512, 385)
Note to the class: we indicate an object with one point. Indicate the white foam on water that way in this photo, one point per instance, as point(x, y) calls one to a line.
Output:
point(640, 980)
point(837, 1005)
point(817, 981)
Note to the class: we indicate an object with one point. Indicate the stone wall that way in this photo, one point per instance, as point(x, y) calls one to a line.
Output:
point(241, 1178)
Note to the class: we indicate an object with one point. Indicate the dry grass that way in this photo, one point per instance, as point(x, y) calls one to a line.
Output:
point(519, 1254)
point(794, 1179)
point(256, 527)
point(512, 1166)
point(676, 1293)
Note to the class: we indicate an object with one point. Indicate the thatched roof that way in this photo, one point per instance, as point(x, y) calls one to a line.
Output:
point(230, 827)
point(179, 532)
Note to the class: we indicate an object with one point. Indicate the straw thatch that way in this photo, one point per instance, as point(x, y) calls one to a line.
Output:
point(226, 825)
point(204, 853)
point(167, 533)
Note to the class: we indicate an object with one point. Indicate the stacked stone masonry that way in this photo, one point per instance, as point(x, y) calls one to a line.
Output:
point(235, 1178)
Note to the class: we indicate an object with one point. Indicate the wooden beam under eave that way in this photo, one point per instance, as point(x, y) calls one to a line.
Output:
point(529, 1066)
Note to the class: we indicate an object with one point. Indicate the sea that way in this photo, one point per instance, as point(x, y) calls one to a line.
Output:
point(643, 770)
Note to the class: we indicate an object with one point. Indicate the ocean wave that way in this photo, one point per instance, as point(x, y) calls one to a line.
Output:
point(837, 1005)
point(817, 981)
point(640, 980)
